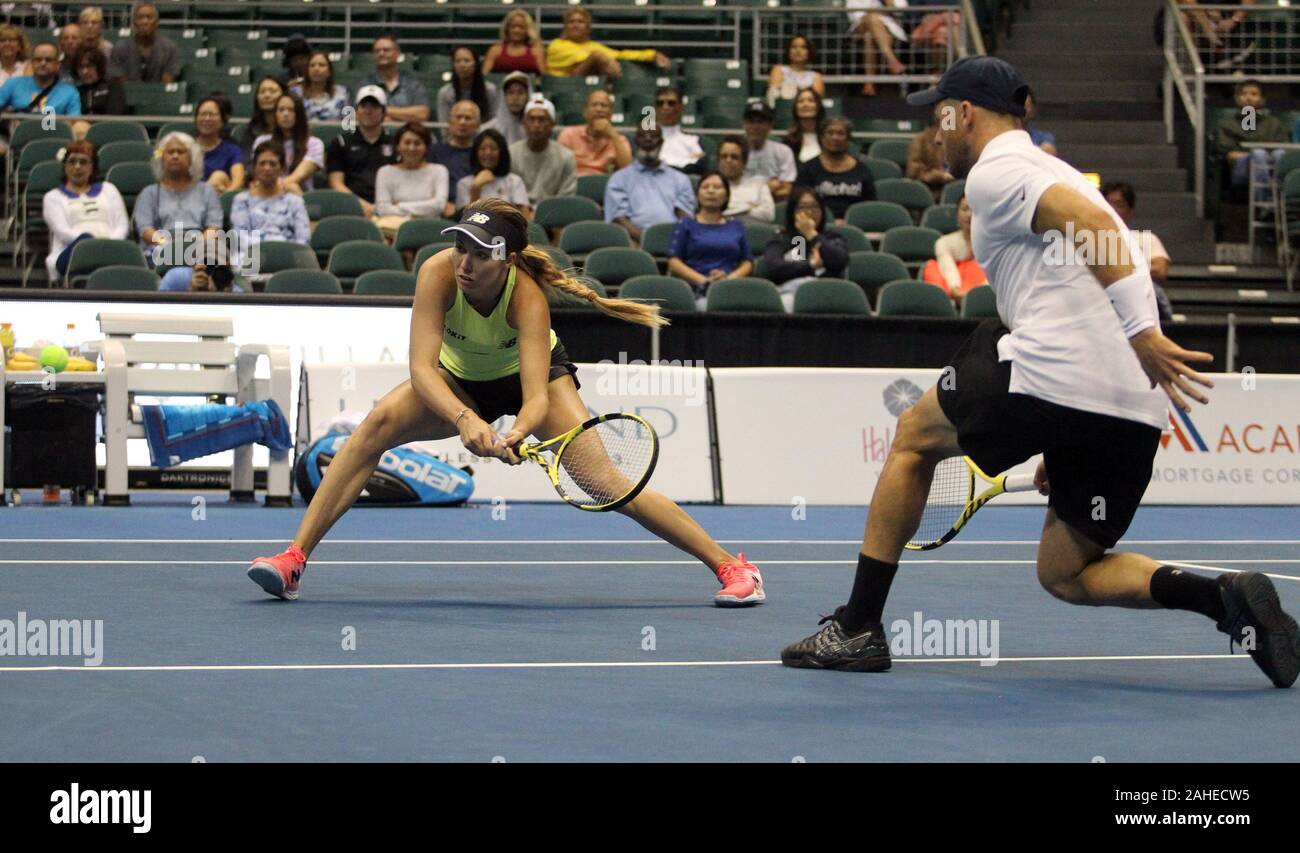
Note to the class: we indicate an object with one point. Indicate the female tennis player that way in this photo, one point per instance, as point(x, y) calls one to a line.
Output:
point(482, 347)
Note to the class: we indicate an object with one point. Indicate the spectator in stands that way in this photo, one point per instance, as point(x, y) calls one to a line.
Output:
point(267, 94)
point(954, 268)
point(492, 177)
point(294, 56)
point(176, 207)
point(355, 158)
point(407, 99)
point(461, 129)
point(548, 168)
point(877, 31)
point(804, 133)
point(69, 50)
point(769, 159)
point(467, 84)
point(520, 48)
point(323, 99)
point(516, 89)
point(933, 32)
point(803, 249)
point(576, 55)
point(709, 246)
point(223, 159)
point(681, 149)
point(1123, 199)
point(1222, 33)
point(1252, 123)
point(14, 53)
point(43, 88)
point(83, 207)
point(597, 146)
point(647, 192)
point(99, 95)
point(925, 162)
point(92, 30)
point(785, 81)
point(1044, 139)
point(304, 154)
point(749, 198)
point(839, 179)
point(145, 56)
point(265, 211)
point(410, 187)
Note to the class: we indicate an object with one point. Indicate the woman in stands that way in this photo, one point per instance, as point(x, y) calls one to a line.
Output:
point(322, 98)
point(223, 159)
point(14, 50)
point(520, 48)
point(804, 249)
point(954, 267)
point(786, 80)
point(179, 205)
point(304, 153)
point(467, 84)
point(99, 96)
point(708, 246)
point(265, 211)
point(265, 97)
point(839, 179)
point(81, 208)
point(751, 198)
point(805, 133)
point(411, 186)
point(490, 175)
point(481, 347)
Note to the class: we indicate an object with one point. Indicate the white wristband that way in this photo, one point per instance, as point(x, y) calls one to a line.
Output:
point(1134, 300)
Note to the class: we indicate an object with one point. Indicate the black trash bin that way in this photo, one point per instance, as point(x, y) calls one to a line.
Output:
point(51, 437)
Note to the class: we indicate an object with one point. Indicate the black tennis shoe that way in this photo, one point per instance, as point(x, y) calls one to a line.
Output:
point(834, 648)
point(1256, 621)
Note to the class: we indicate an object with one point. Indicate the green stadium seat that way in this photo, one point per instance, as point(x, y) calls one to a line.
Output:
point(560, 211)
point(913, 195)
point(940, 217)
point(124, 152)
point(559, 299)
point(891, 149)
point(276, 255)
point(537, 235)
point(756, 295)
point(38, 151)
point(757, 234)
point(333, 230)
point(350, 258)
point(122, 278)
point(103, 132)
point(323, 203)
point(831, 296)
point(980, 302)
point(593, 187)
point(90, 255)
point(303, 281)
point(671, 294)
point(33, 129)
point(953, 191)
point(854, 239)
point(872, 270)
point(414, 234)
point(658, 238)
point(882, 170)
point(612, 265)
point(877, 217)
point(914, 299)
point(130, 179)
point(912, 244)
point(385, 282)
point(428, 251)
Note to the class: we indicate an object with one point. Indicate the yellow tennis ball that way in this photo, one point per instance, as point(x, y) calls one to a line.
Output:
point(54, 357)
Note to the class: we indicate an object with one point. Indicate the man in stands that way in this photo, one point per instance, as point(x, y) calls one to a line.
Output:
point(145, 57)
point(462, 126)
point(681, 149)
point(42, 89)
point(648, 192)
point(353, 159)
point(768, 158)
point(548, 168)
point(407, 98)
point(597, 145)
point(1251, 123)
point(1122, 197)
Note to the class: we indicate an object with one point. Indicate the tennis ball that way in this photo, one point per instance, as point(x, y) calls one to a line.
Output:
point(54, 357)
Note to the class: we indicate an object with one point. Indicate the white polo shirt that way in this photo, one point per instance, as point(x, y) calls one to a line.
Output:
point(1066, 344)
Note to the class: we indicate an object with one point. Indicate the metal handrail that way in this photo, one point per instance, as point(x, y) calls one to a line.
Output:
point(1193, 99)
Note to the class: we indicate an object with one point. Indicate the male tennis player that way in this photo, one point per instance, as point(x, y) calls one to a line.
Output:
point(1069, 372)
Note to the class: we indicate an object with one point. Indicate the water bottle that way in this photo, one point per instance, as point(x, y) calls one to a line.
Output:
point(70, 342)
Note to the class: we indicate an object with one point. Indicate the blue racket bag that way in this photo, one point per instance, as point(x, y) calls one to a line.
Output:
point(404, 475)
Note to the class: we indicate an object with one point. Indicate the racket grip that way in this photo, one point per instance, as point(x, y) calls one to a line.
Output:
point(1019, 483)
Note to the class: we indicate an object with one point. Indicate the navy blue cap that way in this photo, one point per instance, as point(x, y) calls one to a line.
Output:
point(985, 81)
point(489, 230)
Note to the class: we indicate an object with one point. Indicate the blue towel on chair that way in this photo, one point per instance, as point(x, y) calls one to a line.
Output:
point(180, 433)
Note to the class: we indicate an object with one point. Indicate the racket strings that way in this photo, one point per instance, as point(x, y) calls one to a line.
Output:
point(950, 491)
point(606, 462)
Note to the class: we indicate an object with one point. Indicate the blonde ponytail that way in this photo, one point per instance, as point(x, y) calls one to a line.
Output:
point(539, 265)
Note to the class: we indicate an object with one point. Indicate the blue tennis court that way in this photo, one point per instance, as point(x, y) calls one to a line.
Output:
point(554, 635)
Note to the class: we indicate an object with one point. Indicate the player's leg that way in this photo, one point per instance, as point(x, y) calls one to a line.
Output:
point(656, 513)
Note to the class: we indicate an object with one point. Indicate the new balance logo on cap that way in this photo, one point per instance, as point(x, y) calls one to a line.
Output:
point(478, 218)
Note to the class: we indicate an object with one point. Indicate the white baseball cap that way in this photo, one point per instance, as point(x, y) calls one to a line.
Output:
point(372, 91)
point(539, 102)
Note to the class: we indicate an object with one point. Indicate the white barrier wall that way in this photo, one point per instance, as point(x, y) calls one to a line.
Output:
point(826, 439)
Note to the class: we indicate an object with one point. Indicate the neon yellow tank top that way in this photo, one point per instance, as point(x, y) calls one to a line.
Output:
point(478, 348)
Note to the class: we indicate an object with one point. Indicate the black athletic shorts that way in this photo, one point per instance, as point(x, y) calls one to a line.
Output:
point(1098, 466)
point(496, 397)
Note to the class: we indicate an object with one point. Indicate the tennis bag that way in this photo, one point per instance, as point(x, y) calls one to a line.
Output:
point(404, 476)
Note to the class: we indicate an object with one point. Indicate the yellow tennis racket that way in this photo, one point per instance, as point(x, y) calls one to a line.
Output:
point(953, 501)
point(601, 464)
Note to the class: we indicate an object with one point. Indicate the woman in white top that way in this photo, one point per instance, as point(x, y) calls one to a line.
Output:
point(304, 154)
point(878, 31)
point(751, 200)
point(13, 53)
point(803, 136)
point(322, 98)
point(953, 249)
point(490, 176)
point(785, 81)
point(411, 187)
point(81, 207)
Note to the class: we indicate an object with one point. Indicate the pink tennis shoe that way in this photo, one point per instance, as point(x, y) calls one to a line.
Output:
point(742, 585)
point(279, 575)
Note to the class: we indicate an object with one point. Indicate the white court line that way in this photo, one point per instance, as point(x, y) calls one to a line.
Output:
point(574, 665)
point(280, 540)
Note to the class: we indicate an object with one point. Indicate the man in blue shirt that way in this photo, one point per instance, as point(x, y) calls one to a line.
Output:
point(647, 192)
point(407, 98)
point(41, 90)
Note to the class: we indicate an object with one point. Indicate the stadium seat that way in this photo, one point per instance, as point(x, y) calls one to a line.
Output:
point(757, 234)
point(657, 239)
point(877, 217)
point(911, 244)
point(580, 238)
point(276, 255)
point(671, 294)
point(130, 179)
point(537, 235)
point(593, 187)
point(351, 258)
point(882, 170)
point(385, 282)
point(122, 278)
point(38, 151)
point(103, 132)
point(303, 281)
point(614, 265)
point(174, 127)
point(891, 149)
point(415, 233)
point(43, 178)
point(913, 195)
point(559, 299)
point(559, 211)
point(854, 239)
point(34, 129)
point(323, 203)
point(336, 229)
point(124, 152)
point(755, 295)
point(914, 299)
point(940, 217)
point(872, 270)
point(559, 257)
point(90, 255)
point(980, 302)
point(831, 296)
point(428, 251)
point(953, 191)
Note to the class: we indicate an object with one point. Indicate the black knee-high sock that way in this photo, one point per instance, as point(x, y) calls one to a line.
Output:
point(1179, 589)
point(870, 589)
